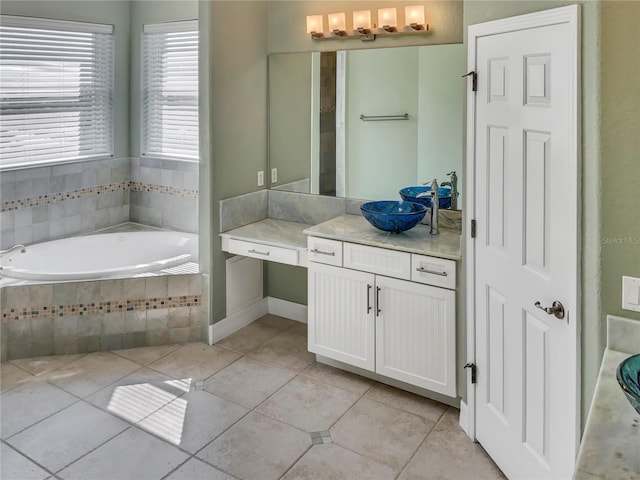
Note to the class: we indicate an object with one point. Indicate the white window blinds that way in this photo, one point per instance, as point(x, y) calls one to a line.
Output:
point(56, 90)
point(170, 96)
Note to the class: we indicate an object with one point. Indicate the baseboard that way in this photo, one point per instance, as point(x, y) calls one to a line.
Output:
point(235, 322)
point(464, 417)
point(438, 397)
point(286, 309)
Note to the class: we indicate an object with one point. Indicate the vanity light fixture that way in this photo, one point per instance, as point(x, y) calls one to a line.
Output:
point(337, 24)
point(362, 21)
point(362, 24)
point(387, 18)
point(414, 16)
point(315, 26)
point(364, 29)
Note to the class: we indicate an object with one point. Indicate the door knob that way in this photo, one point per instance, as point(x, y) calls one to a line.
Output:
point(556, 309)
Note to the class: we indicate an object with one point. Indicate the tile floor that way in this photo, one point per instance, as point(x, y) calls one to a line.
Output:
point(254, 406)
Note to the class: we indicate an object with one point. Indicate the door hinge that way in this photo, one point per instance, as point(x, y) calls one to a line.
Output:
point(473, 368)
point(474, 80)
point(473, 228)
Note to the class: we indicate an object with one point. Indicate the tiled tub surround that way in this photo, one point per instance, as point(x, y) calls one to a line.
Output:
point(611, 440)
point(50, 202)
point(82, 317)
point(175, 204)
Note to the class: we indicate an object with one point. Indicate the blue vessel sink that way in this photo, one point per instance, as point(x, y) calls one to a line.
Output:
point(420, 194)
point(393, 215)
point(628, 375)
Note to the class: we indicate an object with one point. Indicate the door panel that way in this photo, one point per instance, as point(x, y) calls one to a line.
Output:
point(525, 206)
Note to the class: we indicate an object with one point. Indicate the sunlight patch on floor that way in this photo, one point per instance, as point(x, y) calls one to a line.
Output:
point(135, 402)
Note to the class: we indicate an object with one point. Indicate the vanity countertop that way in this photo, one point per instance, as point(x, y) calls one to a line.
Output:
point(279, 233)
point(356, 229)
point(611, 439)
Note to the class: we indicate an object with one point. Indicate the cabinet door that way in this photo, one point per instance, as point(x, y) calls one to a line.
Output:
point(341, 315)
point(415, 334)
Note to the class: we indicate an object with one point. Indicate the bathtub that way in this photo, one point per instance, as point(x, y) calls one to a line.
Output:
point(104, 255)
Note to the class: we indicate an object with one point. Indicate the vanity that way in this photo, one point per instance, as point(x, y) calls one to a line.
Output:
point(381, 303)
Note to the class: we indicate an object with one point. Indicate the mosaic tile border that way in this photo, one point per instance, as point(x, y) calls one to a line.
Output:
point(114, 306)
point(149, 187)
point(97, 190)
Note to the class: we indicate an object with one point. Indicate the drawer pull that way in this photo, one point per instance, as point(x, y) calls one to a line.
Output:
point(432, 272)
point(378, 309)
point(368, 298)
point(259, 253)
point(320, 252)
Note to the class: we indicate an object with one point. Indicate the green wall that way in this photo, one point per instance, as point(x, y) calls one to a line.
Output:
point(109, 12)
point(237, 117)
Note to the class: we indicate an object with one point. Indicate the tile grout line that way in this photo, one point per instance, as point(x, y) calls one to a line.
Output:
point(433, 429)
point(28, 458)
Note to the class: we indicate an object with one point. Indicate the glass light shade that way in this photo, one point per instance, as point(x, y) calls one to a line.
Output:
point(387, 16)
point(315, 23)
point(362, 19)
point(337, 21)
point(414, 14)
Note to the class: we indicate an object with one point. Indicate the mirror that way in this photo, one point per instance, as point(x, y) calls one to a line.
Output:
point(335, 152)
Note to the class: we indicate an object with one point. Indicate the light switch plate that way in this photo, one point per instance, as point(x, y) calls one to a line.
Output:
point(631, 293)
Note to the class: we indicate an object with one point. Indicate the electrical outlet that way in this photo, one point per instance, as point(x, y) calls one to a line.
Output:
point(274, 175)
point(261, 178)
point(631, 293)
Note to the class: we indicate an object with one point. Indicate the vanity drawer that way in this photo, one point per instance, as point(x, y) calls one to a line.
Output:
point(433, 271)
point(262, 251)
point(322, 250)
point(382, 261)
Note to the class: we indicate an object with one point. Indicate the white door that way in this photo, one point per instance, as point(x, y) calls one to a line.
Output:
point(525, 251)
point(341, 315)
point(415, 334)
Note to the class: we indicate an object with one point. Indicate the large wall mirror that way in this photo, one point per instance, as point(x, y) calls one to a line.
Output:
point(337, 123)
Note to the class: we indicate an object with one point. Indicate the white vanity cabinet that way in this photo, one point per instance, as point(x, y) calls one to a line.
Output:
point(402, 327)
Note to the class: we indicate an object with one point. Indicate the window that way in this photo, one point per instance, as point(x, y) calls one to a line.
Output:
point(170, 90)
point(56, 91)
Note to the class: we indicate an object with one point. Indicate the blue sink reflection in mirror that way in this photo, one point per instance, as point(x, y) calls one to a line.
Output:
point(421, 194)
point(628, 375)
point(393, 215)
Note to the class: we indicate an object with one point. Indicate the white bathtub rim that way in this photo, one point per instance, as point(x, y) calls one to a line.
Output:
point(121, 271)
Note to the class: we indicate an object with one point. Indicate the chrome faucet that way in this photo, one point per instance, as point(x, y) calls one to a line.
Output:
point(434, 230)
point(15, 247)
point(454, 189)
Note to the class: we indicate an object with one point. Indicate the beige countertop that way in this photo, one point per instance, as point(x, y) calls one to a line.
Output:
point(279, 233)
point(356, 229)
point(610, 447)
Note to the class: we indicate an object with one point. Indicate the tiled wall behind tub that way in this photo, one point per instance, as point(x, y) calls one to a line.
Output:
point(164, 193)
point(44, 203)
point(81, 317)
